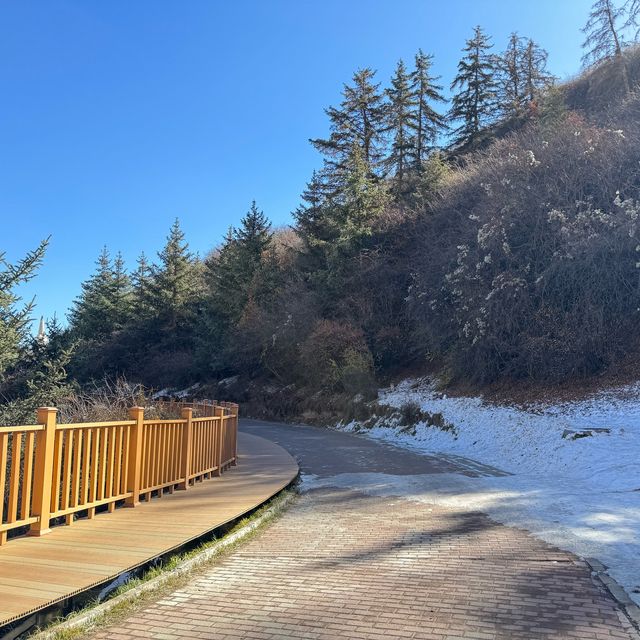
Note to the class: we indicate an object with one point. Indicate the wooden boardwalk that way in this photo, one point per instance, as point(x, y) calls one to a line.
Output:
point(38, 572)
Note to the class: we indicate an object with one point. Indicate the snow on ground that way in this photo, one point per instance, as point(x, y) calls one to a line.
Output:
point(579, 494)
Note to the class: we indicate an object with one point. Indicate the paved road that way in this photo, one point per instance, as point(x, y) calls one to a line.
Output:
point(345, 563)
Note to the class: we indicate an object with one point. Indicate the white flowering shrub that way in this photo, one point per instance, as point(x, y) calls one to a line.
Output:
point(539, 269)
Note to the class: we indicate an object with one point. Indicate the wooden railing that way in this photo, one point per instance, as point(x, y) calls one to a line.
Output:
point(50, 471)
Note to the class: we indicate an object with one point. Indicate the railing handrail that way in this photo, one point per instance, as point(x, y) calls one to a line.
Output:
point(24, 428)
point(50, 470)
point(94, 425)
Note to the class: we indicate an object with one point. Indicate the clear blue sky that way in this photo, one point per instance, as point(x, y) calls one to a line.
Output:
point(118, 116)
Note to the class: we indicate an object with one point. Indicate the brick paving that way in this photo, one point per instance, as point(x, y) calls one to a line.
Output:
point(340, 564)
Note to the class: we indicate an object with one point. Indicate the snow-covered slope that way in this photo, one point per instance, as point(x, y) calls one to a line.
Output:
point(580, 493)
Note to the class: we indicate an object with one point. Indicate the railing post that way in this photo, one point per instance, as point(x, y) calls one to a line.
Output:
point(135, 456)
point(218, 411)
point(43, 472)
point(187, 436)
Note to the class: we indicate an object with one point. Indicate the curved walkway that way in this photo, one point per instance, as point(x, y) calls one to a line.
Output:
point(36, 573)
point(346, 562)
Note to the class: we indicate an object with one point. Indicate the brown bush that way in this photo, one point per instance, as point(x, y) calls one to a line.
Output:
point(335, 356)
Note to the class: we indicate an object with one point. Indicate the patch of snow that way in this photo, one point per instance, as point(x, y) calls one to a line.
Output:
point(580, 494)
point(178, 394)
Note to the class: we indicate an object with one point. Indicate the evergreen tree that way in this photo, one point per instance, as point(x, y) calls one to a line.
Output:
point(603, 35)
point(141, 288)
point(310, 215)
point(47, 382)
point(14, 319)
point(401, 101)
point(364, 200)
point(41, 379)
point(122, 294)
point(174, 284)
point(360, 120)
point(233, 269)
point(475, 102)
point(427, 124)
point(314, 225)
point(103, 305)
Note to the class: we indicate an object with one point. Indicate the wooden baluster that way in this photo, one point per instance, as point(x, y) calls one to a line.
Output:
point(14, 477)
point(93, 487)
point(135, 456)
point(187, 437)
point(111, 467)
point(125, 459)
point(43, 477)
point(117, 474)
point(4, 455)
point(86, 468)
point(27, 476)
point(75, 479)
point(66, 473)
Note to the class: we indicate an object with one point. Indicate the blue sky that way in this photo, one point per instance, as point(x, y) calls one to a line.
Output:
point(116, 117)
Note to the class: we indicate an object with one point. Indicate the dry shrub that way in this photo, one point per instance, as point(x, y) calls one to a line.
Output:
point(335, 357)
point(528, 263)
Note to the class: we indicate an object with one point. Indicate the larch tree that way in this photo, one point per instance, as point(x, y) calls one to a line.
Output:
point(632, 8)
point(511, 80)
point(426, 122)
point(536, 77)
point(603, 32)
point(522, 75)
point(359, 120)
point(474, 100)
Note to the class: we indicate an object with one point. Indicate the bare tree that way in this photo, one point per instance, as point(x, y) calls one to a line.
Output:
point(603, 39)
point(603, 34)
point(632, 7)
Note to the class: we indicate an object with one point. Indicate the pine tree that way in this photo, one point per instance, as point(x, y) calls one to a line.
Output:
point(360, 120)
point(401, 102)
point(103, 305)
point(174, 284)
point(427, 124)
point(14, 319)
point(475, 102)
point(603, 35)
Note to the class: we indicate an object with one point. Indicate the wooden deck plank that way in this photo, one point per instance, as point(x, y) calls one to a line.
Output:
point(37, 572)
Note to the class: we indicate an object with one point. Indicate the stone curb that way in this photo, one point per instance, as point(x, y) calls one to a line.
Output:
point(91, 615)
point(630, 608)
